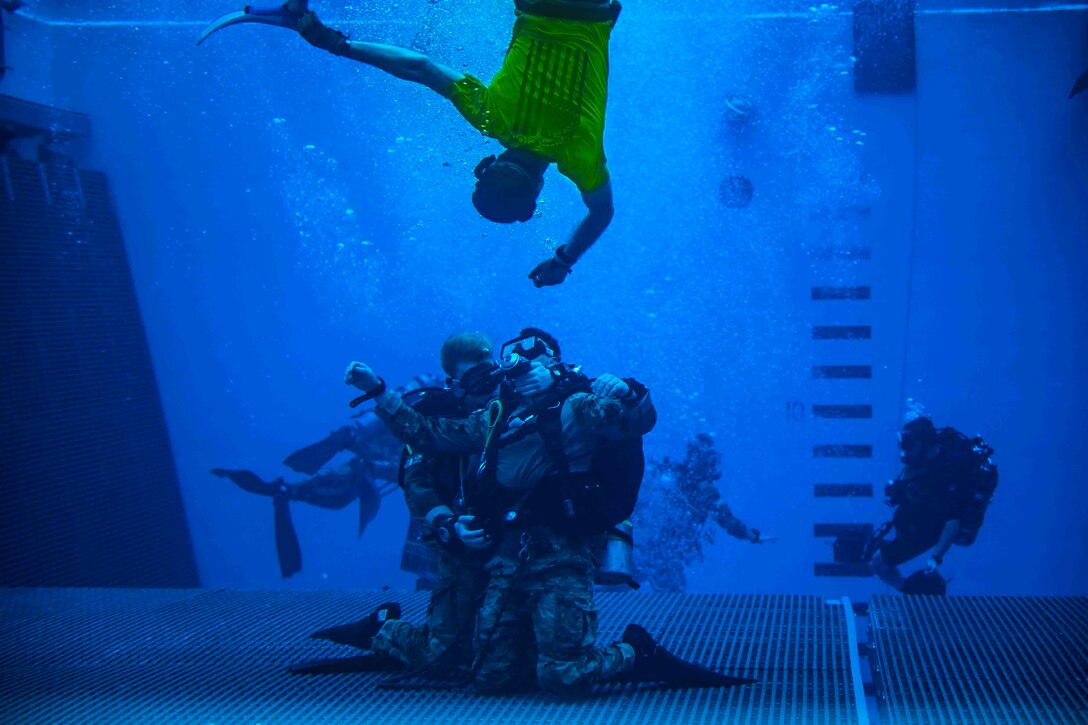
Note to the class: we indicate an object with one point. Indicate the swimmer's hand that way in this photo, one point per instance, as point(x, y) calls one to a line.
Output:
point(549, 273)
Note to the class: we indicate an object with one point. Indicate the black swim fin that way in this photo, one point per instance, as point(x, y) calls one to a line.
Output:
point(360, 634)
point(288, 550)
point(368, 662)
point(310, 459)
point(925, 583)
point(248, 481)
point(283, 16)
point(1081, 85)
point(654, 663)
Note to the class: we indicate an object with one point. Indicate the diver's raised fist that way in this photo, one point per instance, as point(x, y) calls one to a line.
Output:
point(359, 375)
point(609, 386)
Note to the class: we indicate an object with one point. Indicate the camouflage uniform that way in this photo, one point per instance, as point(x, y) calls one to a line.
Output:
point(335, 487)
point(547, 601)
point(445, 640)
point(541, 594)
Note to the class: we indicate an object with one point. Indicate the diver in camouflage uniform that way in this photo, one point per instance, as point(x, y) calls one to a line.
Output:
point(364, 476)
point(540, 591)
point(432, 483)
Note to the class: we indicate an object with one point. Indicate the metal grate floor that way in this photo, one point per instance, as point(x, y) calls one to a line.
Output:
point(986, 660)
point(214, 656)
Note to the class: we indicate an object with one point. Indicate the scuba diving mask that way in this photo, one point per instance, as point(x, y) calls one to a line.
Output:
point(485, 377)
point(480, 379)
point(530, 347)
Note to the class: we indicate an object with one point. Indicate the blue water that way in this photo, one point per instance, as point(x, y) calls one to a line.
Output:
point(287, 212)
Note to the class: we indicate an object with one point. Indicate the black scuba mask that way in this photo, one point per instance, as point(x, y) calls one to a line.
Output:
point(480, 380)
point(530, 347)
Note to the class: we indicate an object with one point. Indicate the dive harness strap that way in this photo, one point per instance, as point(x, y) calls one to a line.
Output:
point(583, 12)
point(551, 432)
point(369, 396)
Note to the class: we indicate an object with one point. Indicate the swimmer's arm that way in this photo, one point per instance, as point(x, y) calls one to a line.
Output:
point(599, 204)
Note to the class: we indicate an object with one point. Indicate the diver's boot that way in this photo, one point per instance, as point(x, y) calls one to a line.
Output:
point(283, 16)
point(360, 634)
point(654, 663)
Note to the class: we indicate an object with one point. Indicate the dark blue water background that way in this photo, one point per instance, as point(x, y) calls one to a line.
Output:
point(287, 212)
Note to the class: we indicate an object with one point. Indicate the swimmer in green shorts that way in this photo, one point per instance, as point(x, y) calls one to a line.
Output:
point(545, 105)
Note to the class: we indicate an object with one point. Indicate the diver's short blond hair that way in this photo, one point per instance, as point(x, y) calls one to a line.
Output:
point(464, 347)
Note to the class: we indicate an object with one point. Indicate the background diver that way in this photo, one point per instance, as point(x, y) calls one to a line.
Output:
point(545, 105)
point(367, 476)
point(940, 499)
point(679, 511)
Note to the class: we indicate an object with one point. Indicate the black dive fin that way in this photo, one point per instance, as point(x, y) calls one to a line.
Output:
point(370, 500)
point(369, 662)
point(287, 549)
point(277, 15)
point(310, 459)
point(248, 481)
point(1081, 85)
point(926, 584)
point(654, 663)
point(360, 634)
point(669, 670)
point(357, 634)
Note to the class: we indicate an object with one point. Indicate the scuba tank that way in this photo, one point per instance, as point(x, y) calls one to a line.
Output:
point(614, 553)
point(983, 484)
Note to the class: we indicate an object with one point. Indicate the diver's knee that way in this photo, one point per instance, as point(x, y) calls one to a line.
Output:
point(496, 682)
point(561, 679)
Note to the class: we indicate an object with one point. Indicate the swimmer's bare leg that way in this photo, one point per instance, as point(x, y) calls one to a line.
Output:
point(396, 61)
